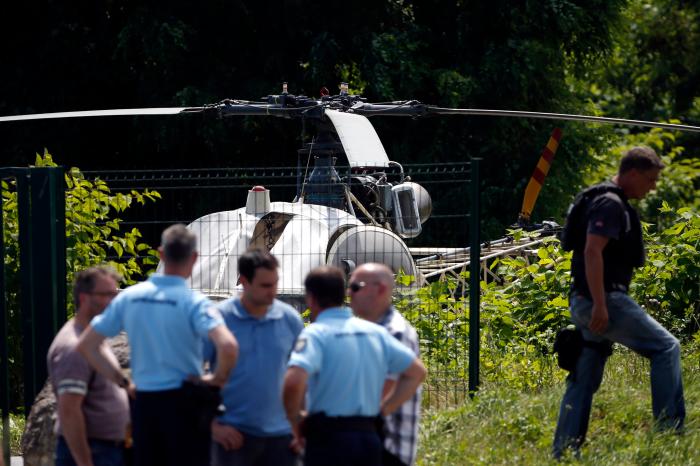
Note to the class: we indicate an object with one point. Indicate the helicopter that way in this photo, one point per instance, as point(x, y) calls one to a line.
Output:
point(345, 221)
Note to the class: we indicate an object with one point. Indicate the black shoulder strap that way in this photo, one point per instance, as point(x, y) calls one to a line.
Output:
point(603, 188)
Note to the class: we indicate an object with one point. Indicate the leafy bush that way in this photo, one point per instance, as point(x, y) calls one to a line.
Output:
point(521, 315)
point(668, 286)
point(93, 237)
point(440, 316)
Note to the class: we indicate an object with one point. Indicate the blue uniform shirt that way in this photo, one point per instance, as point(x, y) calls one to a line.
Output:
point(348, 360)
point(165, 321)
point(253, 393)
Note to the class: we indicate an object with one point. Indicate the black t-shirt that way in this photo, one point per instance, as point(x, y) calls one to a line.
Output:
point(610, 215)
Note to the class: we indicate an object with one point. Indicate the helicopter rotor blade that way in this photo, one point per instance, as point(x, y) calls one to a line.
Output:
point(225, 108)
point(561, 116)
point(312, 108)
point(103, 113)
point(417, 109)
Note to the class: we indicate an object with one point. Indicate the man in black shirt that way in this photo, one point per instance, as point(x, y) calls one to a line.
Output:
point(601, 273)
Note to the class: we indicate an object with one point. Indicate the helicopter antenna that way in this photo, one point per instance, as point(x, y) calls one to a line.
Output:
point(306, 171)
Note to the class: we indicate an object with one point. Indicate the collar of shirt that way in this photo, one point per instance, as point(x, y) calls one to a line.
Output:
point(386, 318)
point(273, 312)
point(334, 313)
point(167, 280)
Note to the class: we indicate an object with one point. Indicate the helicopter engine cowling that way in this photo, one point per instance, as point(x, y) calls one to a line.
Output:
point(361, 244)
point(403, 206)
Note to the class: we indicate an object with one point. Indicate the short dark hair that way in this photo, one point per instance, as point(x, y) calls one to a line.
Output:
point(178, 243)
point(640, 158)
point(253, 259)
point(327, 285)
point(84, 280)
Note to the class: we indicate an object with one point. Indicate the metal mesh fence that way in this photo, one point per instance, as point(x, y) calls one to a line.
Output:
point(342, 216)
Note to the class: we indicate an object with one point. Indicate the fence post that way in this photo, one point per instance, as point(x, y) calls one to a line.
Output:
point(27, 288)
point(49, 260)
point(41, 204)
point(474, 278)
point(4, 364)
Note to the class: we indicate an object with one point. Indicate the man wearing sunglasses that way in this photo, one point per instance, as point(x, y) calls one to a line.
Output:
point(370, 292)
point(93, 413)
point(344, 361)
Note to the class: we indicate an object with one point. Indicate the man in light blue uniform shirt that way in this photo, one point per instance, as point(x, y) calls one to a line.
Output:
point(254, 430)
point(344, 361)
point(165, 322)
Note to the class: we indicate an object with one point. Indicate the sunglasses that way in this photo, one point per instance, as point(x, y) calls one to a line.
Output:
point(111, 293)
point(357, 286)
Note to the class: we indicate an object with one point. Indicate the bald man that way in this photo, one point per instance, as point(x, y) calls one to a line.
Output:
point(370, 291)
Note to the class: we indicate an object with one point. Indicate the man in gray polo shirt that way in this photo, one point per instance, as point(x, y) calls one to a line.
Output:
point(93, 413)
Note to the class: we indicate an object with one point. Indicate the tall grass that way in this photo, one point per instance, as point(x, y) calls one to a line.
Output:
point(509, 424)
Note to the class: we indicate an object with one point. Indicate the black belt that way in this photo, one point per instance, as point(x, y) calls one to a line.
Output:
point(319, 422)
point(608, 287)
point(618, 287)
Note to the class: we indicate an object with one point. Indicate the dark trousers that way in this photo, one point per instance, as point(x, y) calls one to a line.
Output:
point(167, 430)
point(344, 449)
point(256, 451)
point(389, 459)
point(103, 452)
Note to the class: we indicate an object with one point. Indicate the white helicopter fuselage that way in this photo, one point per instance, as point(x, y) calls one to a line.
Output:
point(301, 236)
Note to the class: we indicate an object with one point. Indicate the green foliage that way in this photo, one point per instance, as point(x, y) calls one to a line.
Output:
point(668, 284)
point(93, 236)
point(93, 233)
point(440, 316)
point(521, 314)
point(652, 71)
point(17, 422)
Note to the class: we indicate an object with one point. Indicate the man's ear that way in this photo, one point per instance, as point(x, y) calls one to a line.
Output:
point(81, 299)
point(311, 301)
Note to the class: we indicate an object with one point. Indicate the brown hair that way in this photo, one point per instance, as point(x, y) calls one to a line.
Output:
point(253, 259)
point(84, 281)
point(178, 243)
point(327, 285)
point(640, 158)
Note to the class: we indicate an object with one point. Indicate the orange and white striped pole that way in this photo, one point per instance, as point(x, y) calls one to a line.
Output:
point(538, 176)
